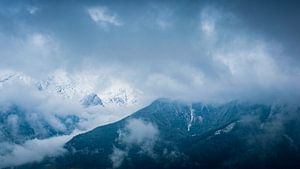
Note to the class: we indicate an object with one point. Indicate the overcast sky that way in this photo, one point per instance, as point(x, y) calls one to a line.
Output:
point(184, 49)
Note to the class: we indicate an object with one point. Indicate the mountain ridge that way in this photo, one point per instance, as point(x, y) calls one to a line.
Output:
point(161, 135)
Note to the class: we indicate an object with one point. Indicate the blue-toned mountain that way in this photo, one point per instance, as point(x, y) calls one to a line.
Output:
point(173, 134)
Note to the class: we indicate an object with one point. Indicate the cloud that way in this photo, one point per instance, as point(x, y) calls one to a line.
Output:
point(58, 96)
point(117, 157)
point(139, 132)
point(102, 16)
point(31, 51)
point(204, 53)
point(33, 151)
point(208, 21)
point(136, 132)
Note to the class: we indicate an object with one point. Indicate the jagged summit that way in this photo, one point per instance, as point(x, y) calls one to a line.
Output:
point(75, 87)
point(91, 100)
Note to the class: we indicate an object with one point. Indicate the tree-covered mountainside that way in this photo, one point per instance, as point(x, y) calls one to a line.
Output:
point(172, 134)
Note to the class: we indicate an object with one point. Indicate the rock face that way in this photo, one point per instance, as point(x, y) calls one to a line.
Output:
point(91, 100)
point(172, 134)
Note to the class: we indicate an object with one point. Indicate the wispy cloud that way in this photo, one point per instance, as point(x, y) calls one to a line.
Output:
point(103, 16)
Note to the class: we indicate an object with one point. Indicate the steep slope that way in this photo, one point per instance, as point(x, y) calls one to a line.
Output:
point(40, 108)
point(171, 134)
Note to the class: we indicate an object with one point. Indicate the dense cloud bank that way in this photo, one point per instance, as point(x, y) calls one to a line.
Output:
point(208, 53)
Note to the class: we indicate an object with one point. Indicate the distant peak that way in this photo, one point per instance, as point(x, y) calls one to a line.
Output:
point(91, 100)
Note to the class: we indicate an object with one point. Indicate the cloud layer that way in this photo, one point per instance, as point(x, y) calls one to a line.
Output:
point(206, 53)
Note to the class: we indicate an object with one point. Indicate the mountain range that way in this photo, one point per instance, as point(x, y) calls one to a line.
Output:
point(22, 119)
point(173, 134)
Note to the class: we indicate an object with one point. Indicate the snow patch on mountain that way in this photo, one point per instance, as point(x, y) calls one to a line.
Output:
point(9, 77)
point(227, 129)
point(194, 118)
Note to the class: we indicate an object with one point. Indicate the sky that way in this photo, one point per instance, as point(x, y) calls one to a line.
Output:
point(194, 50)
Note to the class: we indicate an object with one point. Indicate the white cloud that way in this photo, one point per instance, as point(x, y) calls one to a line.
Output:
point(136, 132)
point(102, 16)
point(117, 157)
point(141, 133)
point(33, 151)
point(30, 51)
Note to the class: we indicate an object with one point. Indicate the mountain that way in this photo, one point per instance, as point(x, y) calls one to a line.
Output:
point(91, 100)
point(20, 122)
point(77, 87)
point(173, 134)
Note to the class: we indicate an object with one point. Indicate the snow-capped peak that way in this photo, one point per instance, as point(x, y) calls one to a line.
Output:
point(76, 87)
point(91, 100)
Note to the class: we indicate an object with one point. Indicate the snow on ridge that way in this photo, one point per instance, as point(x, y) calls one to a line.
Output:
point(11, 77)
point(76, 86)
point(226, 129)
point(193, 118)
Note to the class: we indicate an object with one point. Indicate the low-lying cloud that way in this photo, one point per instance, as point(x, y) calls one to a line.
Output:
point(139, 133)
point(32, 151)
